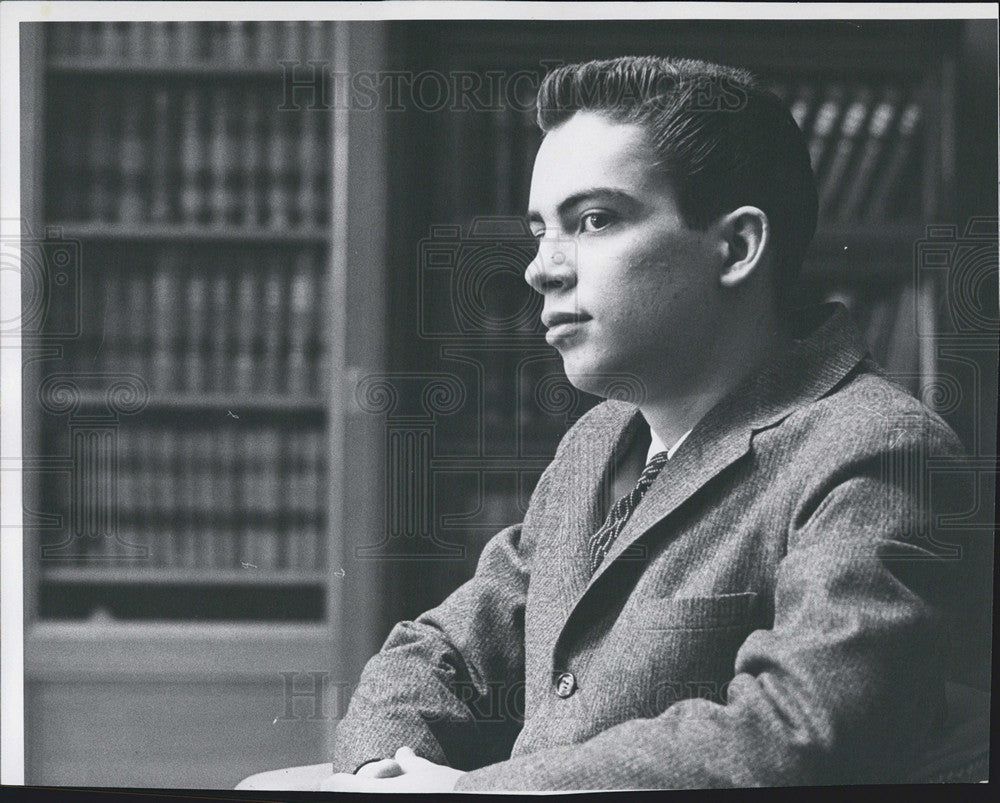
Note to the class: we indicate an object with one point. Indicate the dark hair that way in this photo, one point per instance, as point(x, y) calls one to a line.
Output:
point(721, 137)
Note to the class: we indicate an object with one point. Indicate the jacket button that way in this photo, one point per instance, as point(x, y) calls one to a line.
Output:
point(565, 684)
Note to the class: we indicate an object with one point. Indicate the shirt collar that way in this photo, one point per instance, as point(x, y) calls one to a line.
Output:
point(656, 445)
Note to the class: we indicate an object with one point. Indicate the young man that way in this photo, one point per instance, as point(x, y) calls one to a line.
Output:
point(760, 607)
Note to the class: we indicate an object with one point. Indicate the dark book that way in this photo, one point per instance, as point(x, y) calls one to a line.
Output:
point(278, 159)
point(227, 506)
point(901, 147)
point(311, 169)
point(161, 41)
point(111, 38)
point(824, 126)
point(138, 42)
point(301, 324)
point(195, 348)
point(133, 153)
point(220, 319)
point(101, 157)
point(245, 321)
point(138, 329)
point(274, 325)
point(193, 160)
point(850, 131)
point(252, 181)
point(161, 156)
point(166, 322)
point(879, 126)
point(111, 325)
point(221, 162)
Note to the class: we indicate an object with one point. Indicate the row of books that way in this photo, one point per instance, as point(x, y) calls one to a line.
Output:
point(229, 497)
point(864, 143)
point(225, 156)
point(236, 43)
point(196, 322)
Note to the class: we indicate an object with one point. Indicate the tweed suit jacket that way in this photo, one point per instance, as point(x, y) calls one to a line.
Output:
point(769, 615)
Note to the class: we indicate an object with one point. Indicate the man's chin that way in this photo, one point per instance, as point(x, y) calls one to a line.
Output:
point(618, 385)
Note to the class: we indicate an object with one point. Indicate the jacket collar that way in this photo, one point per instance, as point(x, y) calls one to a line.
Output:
point(825, 350)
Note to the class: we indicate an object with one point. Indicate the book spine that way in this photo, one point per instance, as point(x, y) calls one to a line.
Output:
point(208, 499)
point(850, 130)
point(112, 324)
point(278, 205)
point(266, 54)
point(294, 501)
point(254, 137)
point(160, 42)
point(197, 316)
point(138, 42)
point(268, 485)
point(72, 175)
point(100, 158)
point(302, 298)
point(228, 511)
point(315, 552)
point(238, 45)
point(902, 147)
point(878, 129)
point(90, 40)
point(136, 339)
point(166, 514)
point(192, 200)
point(111, 41)
point(274, 326)
point(824, 125)
point(311, 171)
point(220, 378)
point(245, 498)
point(221, 159)
point(162, 180)
point(189, 47)
point(132, 160)
point(290, 47)
point(183, 502)
point(146, 477)
point(165, 323)
point(246, 316)
point(126, 502)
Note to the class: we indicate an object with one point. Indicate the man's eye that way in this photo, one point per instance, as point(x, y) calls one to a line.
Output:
point(595, 221)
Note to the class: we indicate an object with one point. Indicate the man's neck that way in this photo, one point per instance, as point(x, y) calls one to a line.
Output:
point(671, 415)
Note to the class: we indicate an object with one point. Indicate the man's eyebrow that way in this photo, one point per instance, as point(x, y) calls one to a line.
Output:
point(585, 195)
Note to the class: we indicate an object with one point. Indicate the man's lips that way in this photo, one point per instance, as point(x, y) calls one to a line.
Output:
point(550, 320)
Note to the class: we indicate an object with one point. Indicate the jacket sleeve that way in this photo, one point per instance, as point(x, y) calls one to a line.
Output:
point(439, 683)
point(841, 687)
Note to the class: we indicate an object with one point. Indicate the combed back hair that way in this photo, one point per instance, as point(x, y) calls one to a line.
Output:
point(722, 139)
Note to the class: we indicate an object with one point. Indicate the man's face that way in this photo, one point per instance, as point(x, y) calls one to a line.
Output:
point(629, 290)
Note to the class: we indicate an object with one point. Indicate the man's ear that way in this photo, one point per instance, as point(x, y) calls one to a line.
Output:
point(746, 233)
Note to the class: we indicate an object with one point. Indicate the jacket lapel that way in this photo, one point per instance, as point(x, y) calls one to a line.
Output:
point(806, 371)
point(590, 461)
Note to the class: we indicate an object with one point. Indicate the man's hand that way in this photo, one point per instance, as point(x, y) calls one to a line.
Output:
point(405, 772)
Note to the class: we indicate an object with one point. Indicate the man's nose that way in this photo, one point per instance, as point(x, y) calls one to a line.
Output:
point(553, 267)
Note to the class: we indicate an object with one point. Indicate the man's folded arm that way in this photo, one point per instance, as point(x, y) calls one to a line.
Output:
point(431, 687)
point(843, 687)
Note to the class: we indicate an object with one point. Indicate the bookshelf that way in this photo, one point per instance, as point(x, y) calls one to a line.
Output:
point(186, 428)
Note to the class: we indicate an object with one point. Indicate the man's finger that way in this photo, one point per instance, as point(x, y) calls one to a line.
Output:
point(411, 762)
point(386, 768)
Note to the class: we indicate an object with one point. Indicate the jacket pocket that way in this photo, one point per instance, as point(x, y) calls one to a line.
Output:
point(696, 613)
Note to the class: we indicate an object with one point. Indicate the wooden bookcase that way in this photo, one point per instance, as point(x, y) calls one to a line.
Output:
point(187, 403)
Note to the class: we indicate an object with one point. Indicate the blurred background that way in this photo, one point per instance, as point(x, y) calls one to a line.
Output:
point(282, 375)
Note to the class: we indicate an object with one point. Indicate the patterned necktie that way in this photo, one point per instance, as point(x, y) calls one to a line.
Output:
point(602, 540)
